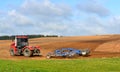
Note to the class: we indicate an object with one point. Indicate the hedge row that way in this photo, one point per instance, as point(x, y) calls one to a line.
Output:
point(30, 36)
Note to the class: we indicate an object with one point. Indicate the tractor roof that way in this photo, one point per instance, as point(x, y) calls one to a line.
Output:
point(21, 36)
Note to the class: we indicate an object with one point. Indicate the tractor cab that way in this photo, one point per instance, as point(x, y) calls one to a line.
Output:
point(21, 41)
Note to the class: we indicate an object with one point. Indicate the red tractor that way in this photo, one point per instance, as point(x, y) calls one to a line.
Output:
point(20, 46)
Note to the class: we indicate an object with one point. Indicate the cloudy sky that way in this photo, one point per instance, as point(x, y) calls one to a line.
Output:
point(59, 17)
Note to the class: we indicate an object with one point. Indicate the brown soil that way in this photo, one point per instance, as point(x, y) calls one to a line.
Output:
point(112, 46)
point(100, 46)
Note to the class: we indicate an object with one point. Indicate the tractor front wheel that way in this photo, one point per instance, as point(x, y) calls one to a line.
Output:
point(27, 52)
point(12, 52)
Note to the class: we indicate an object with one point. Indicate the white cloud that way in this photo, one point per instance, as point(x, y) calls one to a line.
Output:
point(38, 16)
point(113, 24)
point(92, 6)
point(18, 18)
point(91, 26)
point(47, 17)
point(45, 8)
point(5, 27)
point(55, 26)
point(115, 20)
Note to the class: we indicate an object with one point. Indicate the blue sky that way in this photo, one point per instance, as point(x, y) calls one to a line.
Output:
point(61, 17)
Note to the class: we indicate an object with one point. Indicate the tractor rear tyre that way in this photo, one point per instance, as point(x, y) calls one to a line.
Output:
point(27, 52)
point(12, 52)
point(36, 52)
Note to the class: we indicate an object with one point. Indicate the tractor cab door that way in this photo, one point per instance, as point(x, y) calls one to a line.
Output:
point(21, 42)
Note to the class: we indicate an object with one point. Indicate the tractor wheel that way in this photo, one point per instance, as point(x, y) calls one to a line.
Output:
point(37, 52)
point(12, 52)
point(27, 52)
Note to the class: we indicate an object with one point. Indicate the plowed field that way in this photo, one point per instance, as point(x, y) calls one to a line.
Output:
point(101, 46)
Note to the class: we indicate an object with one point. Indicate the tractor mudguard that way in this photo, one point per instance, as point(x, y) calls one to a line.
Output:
point(29, 47)
point(38, 47)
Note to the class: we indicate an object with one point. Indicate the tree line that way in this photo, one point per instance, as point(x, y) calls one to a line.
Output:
point(30, 36)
